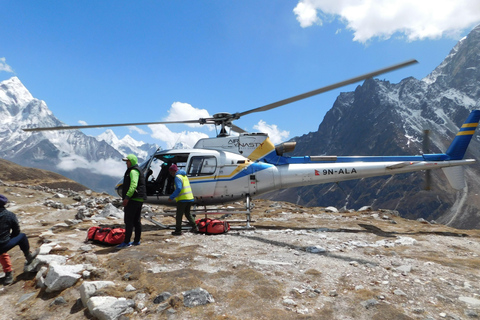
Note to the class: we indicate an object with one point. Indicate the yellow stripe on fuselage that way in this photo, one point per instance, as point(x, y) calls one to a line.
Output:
point(465, 133)
point(263, 149)
point(470, 125)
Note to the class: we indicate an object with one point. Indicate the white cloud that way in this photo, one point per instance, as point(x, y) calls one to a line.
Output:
point(4, 66)
point(184, 111)
point(178, 112)
point(110, 167)
point(83, 123)
point(137, 130)
point(306, 14)
point(276, 135)
point(162, 133)
point(416, 20)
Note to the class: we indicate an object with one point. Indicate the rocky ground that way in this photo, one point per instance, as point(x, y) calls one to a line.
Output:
point(298, 263)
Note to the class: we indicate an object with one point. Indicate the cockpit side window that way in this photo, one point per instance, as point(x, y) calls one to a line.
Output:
point(202, 166)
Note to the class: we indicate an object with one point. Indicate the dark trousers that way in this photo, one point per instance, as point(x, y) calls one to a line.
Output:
point(132, 220)
point(183, 208)
point(20, 240)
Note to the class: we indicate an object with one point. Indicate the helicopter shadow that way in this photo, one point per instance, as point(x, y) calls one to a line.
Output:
point(367, 228)
point(304, 249)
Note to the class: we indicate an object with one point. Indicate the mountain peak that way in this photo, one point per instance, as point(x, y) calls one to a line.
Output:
point(458, 69)
point(129, 140)
point(14, 92)
point(109, 137)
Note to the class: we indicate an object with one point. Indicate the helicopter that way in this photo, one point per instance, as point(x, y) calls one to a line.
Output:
point(229, 168)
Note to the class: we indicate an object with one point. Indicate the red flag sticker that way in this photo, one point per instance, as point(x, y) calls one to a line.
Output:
point(317, 173)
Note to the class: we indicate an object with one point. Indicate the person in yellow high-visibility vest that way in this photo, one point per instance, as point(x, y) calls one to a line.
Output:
point(184, 197)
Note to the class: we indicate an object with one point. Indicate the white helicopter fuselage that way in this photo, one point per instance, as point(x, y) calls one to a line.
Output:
point(253, 166)
point(227, 177)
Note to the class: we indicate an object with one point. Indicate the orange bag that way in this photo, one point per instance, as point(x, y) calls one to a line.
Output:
point(212, 226)
point(106, 235)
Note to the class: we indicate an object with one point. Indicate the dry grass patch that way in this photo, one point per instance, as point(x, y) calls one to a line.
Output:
point(386, 311)
point(272, 292)
point(313, 272)
point(365, 294)
point(238, 297)
point(173, 281)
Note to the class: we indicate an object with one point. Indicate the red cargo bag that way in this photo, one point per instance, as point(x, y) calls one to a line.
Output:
point(212, 226)
point(109, 236)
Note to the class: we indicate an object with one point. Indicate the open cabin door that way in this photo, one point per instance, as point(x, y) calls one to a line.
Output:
point(159, 181)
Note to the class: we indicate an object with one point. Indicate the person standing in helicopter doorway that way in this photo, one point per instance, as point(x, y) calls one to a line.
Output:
point(134, 193)
point(184, 197)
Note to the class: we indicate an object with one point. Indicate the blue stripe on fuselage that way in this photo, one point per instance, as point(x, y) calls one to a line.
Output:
point(280, 160)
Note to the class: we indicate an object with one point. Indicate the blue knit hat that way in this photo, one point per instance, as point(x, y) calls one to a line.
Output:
point(3, 200)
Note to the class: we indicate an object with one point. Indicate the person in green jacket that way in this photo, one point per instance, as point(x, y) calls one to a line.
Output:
point(134, 192)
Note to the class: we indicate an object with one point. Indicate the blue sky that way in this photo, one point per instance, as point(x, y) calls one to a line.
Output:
point(139, 61)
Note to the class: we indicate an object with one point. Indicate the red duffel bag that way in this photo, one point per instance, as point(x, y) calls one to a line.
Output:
point(212, 226)
point(111, 236)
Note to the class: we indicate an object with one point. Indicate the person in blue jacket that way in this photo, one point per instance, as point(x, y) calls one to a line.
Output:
point(184, 197)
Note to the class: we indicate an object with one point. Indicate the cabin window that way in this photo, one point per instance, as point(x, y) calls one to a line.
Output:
point(202, 166)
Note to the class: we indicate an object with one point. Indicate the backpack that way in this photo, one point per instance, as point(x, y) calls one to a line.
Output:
point(109, 236)
point(212, 226)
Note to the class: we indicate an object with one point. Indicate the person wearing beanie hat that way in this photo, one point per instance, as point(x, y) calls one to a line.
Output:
point(5, 257)
point(184, 197)
point(134, 192)
point(3, 200)
point(10, 236)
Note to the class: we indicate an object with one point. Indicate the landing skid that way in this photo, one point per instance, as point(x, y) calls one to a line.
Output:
point(224, 213)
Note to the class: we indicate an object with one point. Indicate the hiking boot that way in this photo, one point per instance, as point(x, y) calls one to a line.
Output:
point(124, 245)
point(194, 229)
point(177, 233)
point(30, 256)
point(8, 278)
point(135, 243)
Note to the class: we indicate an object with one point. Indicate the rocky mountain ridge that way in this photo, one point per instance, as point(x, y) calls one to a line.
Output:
point(381, 118)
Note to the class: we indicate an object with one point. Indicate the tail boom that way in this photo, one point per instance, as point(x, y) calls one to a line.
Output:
point(295, 175)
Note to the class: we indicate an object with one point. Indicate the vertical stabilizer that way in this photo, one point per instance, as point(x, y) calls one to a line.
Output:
point(457, 149)
point(456, 177)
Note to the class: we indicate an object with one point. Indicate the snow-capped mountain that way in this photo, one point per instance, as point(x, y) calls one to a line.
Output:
point(128, 145)
point(181, 145)
point(381, 118)
point(93, 163)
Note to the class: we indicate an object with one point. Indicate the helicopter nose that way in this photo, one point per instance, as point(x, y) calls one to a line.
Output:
point(119, 189)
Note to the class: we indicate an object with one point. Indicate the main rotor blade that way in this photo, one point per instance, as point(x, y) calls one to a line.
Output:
point(107, 125)
point(328, 88)
point(237, 129)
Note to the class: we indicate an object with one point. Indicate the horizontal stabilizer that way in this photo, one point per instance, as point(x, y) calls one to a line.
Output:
point(398, 165)
point(456, 177)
